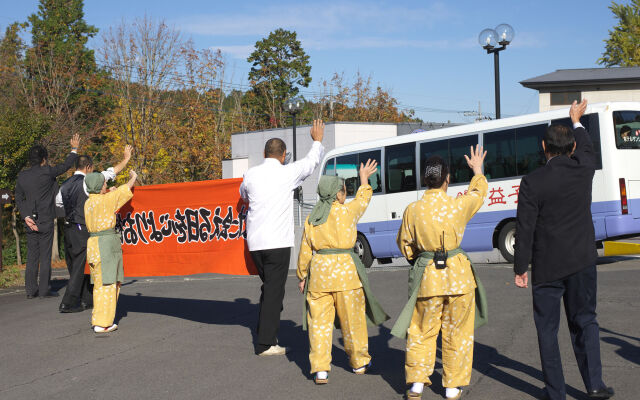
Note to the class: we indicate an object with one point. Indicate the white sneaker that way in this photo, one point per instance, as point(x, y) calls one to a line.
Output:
point(99, 329)
point(274, 351)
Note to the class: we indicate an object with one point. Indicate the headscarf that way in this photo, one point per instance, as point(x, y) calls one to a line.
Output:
point(94, 182)
point(328, 188)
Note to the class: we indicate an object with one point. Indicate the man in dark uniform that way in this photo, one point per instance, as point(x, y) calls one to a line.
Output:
point(35, 191)
point(554, 229)
point(71, 197)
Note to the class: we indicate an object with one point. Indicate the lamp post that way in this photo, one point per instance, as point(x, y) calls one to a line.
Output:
point(293, 106)
point(489, 39)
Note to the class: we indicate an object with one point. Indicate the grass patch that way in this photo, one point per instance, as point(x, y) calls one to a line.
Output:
point(11, 277)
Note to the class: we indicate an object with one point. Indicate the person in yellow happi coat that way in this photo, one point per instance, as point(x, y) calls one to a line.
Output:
point(445, 299)
point(334, 279)
point(104, 251)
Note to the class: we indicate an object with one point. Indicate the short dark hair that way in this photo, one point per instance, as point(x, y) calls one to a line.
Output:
point(558, 139)
point(37, 154)
point(626, 129)
point(274, 147)
point(83, 162)
point(436, 171)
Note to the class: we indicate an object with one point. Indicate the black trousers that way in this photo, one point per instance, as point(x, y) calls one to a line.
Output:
point(75, 246)
point(273, 266)
point(578, 293)
point(39, 247)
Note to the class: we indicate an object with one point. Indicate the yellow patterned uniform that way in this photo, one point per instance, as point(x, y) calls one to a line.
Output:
point(446, 298)
point(100, 214)
point(334, 285)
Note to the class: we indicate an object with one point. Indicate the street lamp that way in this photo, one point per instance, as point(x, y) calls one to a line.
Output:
point(489, 39)
point(293, 106)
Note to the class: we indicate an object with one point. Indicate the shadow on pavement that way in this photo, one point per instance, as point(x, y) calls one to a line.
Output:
point(489, 362)
point(238, 312)
point(626, 350)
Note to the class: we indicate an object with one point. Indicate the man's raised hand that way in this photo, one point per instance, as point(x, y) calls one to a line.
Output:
point(317, 130)
point(577, 110)
point(75, 142)
point(128, 149)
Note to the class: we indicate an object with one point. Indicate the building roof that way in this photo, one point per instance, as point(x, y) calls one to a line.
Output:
point(581, 76)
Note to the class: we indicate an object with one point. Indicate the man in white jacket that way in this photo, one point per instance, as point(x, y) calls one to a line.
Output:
point(269, 188)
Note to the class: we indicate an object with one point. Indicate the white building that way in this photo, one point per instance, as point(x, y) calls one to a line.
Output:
point(560, 88)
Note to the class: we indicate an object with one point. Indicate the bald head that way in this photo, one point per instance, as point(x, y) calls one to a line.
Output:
point(274, 148)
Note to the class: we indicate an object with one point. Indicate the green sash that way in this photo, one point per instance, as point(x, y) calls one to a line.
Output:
point(415, 278)
point(110, 256)
point(375, 313)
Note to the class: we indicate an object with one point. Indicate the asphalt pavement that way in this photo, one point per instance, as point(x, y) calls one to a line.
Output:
point(191, 338)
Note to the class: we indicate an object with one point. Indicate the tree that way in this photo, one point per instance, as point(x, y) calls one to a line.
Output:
point(60, 79)
point(279, 66)
point(359, 101)
point(623, 46)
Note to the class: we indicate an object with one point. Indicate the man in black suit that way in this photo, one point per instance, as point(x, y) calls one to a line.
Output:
point(36, 188)
point(554, 229)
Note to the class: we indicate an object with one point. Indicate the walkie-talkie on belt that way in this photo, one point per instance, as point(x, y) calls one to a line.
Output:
point(440, 256)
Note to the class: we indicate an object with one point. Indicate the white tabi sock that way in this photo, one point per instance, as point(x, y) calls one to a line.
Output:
point(322, 374)
point(417, 387)
point(452, 392)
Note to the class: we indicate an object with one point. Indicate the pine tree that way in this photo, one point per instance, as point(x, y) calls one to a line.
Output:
point(623, 46)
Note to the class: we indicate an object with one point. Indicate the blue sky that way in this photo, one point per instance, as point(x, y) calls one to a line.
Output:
point(425, 52)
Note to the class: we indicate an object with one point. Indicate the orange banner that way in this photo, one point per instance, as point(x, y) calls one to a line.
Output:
point(185, 229)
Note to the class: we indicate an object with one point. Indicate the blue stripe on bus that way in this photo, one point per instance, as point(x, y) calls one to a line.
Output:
point(607, 221)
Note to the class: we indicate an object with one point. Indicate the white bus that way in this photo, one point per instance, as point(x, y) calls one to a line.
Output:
point(514, 149)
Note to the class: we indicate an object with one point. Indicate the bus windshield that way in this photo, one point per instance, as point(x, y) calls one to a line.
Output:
point(627, 129)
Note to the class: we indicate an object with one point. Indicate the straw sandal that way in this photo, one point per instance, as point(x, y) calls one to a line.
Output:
point(362, 370)
point(413, 395)
point(319, 381)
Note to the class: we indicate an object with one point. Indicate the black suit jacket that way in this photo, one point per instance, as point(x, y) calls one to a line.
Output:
point(554, 226)
point(36, 188)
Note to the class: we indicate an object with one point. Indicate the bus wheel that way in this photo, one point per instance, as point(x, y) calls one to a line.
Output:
point(507, 241)
point(363, 250)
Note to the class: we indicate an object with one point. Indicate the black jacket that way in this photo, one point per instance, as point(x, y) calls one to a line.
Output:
point(36, 188)
point(554, 226)
point(73, 199)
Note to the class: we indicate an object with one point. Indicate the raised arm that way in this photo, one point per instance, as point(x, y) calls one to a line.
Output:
point(470, 202)
point(303, 168)
point(60, 169)
point(359, 205)
point(584, 152)
point(128, 149)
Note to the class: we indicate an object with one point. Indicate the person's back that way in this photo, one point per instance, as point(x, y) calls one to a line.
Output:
point(558, 197)
point(269, 189)
point(554, 229)
point(39, 184)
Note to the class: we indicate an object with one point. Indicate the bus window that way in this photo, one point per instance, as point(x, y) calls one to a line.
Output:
point(347, 169)
point(501, 154)
point(375, 180)
point(458, 168)
point(529, 154)
point(626, 125)
point(330, 167)
point(428, 149)
point(400, 163)
point(591, 123)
